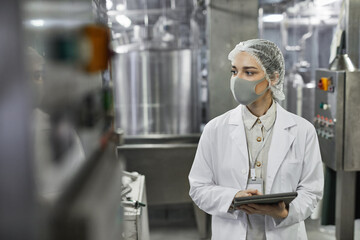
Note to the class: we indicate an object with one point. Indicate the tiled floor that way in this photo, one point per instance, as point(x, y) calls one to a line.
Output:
point(190, 233)
point(174, 233)
point(179, 224)
point(317, 232)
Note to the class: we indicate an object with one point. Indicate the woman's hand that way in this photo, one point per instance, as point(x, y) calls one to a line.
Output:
point(278, 210)
point(247, 193)
point(243, 193)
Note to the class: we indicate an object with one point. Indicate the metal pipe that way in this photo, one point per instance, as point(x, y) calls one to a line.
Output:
point(284, 35)
point(261, 22)
point(146, 16)
point(17, 205)
point(352, 30)
point(172, 4)
point(303, 39)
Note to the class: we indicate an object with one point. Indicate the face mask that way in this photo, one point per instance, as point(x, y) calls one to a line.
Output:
point(244, 91)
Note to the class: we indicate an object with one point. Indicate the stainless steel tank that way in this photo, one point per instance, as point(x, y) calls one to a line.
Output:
point(156, 92)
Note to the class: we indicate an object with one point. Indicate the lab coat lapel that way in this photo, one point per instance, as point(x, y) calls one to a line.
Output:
point(280, 144)
point(238, 135)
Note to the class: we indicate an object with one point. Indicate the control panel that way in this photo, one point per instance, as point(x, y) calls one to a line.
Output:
point(326, 84)
point(325, 126)
point(329, 112)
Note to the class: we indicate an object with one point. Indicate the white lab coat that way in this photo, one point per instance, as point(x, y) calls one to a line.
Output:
point(221, 169)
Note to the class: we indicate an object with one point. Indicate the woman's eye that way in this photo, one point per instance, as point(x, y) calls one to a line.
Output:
point(249, 73)
point(233, 72)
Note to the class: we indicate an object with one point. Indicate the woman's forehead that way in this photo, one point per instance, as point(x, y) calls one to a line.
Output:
point(245, 59)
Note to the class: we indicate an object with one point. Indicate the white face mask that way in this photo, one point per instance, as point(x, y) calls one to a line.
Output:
point(244, 91)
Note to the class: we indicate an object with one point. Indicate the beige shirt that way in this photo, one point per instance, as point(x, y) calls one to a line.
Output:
point(258, 130)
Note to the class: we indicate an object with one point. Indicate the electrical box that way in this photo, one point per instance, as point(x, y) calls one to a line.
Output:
point(337, 118)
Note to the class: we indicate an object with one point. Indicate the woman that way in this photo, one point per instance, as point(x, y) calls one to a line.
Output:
point(257, 148)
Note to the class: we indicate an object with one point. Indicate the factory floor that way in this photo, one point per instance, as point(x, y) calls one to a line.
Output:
point(178, 223)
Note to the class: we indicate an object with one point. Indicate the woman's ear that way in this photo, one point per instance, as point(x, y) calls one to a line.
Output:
point(274, 78)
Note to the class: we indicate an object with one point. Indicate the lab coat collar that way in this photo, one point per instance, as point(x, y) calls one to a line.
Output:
point(267, 120)
point(281, 142)
point(284, 119)
point(239, 139)
point(236, 116)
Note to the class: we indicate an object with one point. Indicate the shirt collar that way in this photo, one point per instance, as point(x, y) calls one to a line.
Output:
point(248, 118)
point(267, 120)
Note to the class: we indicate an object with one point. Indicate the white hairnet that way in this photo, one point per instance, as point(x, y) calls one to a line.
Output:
point(269, 57)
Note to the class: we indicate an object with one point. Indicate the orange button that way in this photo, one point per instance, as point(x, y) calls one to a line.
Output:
point(258, 164)
point(258, 139)
point(325, 83)
point(97, 38)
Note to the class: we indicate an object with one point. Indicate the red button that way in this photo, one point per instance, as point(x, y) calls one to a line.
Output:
point(320, 85)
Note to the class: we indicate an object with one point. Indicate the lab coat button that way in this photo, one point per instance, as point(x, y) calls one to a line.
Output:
point(258, 139)
point(258, 121)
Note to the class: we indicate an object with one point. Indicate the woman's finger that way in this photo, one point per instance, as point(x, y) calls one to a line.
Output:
point(282, 205)
point(253, 191)
point(251, 210)
point(250, 207)
point(244, 207)
point(256, 206)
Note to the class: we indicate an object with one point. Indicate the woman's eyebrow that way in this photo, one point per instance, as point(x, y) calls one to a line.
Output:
point(249, 67)
point(233, 67)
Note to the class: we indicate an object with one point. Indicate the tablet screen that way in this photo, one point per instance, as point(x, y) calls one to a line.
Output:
point(266, 199)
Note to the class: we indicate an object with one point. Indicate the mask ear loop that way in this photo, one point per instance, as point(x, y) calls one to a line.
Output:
point(267, 88)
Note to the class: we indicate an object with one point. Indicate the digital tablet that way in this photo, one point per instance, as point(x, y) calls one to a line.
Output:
point(266, 199)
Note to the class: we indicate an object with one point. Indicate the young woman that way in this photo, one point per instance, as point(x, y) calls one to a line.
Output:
point(257, 148)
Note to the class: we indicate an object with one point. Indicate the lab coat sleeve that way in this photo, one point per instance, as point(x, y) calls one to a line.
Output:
point(310, 187)
point(204, 191)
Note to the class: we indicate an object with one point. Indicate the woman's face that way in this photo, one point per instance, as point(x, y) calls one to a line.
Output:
point(246, 67)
